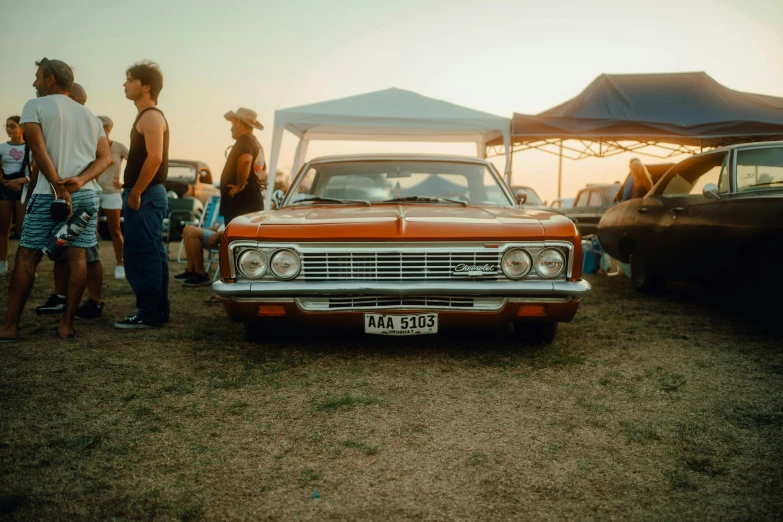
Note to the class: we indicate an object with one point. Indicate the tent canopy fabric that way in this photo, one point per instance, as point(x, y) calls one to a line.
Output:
point(388, 115)
point(679, 108)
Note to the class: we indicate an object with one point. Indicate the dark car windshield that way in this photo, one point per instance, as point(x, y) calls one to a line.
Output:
point(416, 181)
point(182, 173)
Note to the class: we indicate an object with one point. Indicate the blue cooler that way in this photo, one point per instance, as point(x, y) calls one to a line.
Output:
point(591, 255)
point(590, 262)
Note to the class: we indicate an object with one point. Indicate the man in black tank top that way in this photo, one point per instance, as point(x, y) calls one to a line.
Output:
point(144, 200)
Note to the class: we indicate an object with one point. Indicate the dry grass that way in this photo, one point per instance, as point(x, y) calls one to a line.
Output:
point(643, 408)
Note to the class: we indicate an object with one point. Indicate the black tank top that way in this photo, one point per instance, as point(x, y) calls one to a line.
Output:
point(138, 153)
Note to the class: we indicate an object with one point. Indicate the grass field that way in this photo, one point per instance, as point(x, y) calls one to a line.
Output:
point(653, 408)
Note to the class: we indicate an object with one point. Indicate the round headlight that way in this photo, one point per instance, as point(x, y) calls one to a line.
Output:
point(285, 264)
point(550, 263)
point(516, 263)
point(252, 263)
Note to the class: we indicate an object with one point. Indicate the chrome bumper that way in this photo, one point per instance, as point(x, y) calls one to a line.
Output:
point(259, 290)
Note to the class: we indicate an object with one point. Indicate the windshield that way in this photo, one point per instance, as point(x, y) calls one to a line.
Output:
point(442, 182)
point(179, 172)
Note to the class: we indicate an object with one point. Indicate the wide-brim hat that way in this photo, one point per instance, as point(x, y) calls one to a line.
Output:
point(245, 116)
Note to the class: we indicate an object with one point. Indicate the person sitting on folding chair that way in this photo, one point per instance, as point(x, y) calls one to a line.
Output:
point(197, 240)
point(240, 193)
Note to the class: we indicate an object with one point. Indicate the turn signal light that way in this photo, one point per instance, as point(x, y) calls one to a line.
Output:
point(270, 310)
point(532, 310)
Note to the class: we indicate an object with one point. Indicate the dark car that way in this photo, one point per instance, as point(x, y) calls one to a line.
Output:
point(592, 201)
point(717, 216)
point(590, 204)
point(190, 178)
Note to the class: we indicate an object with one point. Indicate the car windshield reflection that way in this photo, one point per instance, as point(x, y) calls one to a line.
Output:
point(184, 173)
point(393, 181)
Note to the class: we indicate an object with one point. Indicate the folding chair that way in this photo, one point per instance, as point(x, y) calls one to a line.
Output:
point(182, 212)
point(209, 217)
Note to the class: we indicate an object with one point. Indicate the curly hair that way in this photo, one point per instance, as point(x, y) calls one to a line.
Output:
point(148, 73)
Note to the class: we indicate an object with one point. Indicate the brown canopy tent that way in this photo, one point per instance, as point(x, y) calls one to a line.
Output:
point(673, 113)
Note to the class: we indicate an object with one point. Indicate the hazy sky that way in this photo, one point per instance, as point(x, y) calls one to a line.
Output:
point(501, 56)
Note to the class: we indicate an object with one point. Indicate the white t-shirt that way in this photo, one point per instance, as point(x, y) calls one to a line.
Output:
point(71, 134)
point(11, 158)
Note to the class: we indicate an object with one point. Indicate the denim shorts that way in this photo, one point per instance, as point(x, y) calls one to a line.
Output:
point(208, 233)
point(39, 225)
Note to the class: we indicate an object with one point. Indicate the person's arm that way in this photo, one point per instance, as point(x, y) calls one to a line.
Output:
point(45, 164)
point(244, 162)
point(123, 156)
point(152, 126)
point(100, 163)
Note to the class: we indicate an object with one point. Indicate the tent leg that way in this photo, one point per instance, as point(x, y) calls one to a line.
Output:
point(560, 171)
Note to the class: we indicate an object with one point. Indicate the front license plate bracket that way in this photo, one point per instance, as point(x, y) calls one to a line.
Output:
point(401, 324)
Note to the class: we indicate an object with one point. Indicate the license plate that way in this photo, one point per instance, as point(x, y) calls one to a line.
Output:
point(411, 324)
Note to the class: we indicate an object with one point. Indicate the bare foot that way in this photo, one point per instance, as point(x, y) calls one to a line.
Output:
point(65, 332)
point(9, 333)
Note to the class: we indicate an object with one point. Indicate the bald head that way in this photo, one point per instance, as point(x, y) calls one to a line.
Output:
point(78, 94)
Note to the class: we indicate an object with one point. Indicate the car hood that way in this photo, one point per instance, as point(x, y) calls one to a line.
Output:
point(406, 222)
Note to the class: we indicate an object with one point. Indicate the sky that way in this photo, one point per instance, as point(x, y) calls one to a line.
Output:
point(502, 57)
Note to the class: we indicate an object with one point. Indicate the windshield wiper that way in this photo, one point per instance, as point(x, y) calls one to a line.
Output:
point(332, 200)
point(427, 199)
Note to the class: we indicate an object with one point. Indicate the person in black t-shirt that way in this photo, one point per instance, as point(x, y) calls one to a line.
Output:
point(240, 193)
point(240, 185)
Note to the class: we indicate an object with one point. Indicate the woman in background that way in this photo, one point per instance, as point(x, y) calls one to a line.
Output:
point(14, 169)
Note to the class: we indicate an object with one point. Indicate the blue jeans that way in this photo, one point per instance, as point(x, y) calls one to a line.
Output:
point(146, 260)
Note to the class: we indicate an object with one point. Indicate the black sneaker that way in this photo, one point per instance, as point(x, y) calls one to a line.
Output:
point(133, 322)
point(184, 275)
point(55, 304)
point(198, 280)
point(89, 310)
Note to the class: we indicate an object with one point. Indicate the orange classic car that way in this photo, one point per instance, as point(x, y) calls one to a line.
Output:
point(401, 245)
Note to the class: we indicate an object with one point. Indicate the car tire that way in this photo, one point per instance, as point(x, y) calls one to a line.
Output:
point(641, 278)
point(536, 333)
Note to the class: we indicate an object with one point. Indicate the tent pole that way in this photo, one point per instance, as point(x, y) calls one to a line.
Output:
point(560, 170)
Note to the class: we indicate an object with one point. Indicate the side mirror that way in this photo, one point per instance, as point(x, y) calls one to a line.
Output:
point(521, 196)
point(710, 191)
point(277, 197)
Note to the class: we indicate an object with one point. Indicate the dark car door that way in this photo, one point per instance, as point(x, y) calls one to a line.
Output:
point(752, 212)
point(655, 215)
point(695, 241)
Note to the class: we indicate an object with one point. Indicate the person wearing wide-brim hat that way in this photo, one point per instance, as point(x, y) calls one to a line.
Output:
point(240, 193)
point(246, 116)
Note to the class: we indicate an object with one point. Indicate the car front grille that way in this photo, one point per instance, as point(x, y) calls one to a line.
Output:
point(422, 302)
point(398, 266)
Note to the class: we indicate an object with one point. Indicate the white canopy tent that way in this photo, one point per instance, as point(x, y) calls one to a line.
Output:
point(388, 115)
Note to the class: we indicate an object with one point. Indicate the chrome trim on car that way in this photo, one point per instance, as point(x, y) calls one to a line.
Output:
point(391, 302)
point(518, 289)
point(565, 299)
point(411, 249)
